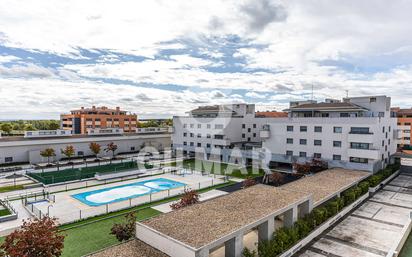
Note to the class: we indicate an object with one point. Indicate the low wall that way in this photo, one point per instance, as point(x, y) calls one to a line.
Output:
point(396, 248)
point(373, 190)
point(323, 227)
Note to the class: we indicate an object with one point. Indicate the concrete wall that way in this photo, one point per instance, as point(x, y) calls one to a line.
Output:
point(29, 150)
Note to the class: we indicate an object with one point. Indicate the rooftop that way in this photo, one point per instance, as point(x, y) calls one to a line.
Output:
point(135, 248)
point(335, 106)
point(271, 114)
point(203, 223)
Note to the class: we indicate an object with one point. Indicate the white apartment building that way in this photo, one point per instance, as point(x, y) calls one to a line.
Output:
point(225, 133)
point(355, 133)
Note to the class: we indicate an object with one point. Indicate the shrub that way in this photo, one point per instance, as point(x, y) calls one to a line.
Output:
point(364, 186)
point(333, 207)
point(249, 182)
point(303, 227)
point(374, 180)
point(248, 253)
point(349, 196)
point(125, 231)
point(320, 215)
point(189, 197)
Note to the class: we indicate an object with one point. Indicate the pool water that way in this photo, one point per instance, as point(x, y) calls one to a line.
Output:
point(124, 192)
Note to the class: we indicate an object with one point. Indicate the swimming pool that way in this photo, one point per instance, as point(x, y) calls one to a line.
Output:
point(124, 192)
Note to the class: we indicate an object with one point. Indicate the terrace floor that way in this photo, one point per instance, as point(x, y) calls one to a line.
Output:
point(371, 230)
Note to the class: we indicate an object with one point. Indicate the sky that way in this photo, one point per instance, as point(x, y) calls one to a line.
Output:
point(161, 58)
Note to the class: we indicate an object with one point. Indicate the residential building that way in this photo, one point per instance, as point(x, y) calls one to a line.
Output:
point(219, 132)
point(404, 125)
point(81, 120)
point(355, 133)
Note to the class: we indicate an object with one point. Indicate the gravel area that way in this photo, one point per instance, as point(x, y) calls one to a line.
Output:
point(325, 183)
point(202, 223)
point(135, 248)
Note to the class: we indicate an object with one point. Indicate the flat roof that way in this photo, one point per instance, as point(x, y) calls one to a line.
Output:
point(326, 183)
point(339, 106)
point(201, 224)
point(134, 248)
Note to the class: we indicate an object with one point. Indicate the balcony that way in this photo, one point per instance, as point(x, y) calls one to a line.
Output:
point(364, 153)
point(362, 138)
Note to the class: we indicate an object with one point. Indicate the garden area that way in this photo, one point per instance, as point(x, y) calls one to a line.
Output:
point(83, 173)
point(218, 168)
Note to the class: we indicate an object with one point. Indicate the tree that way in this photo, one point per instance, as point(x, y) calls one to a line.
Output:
point(111, 147)
point(54, 125)
point(189, 197)
point(249, 182)
point(95, 148)
point(29, 127)
point(35, 238)
point(6, 127)
point(68, 151)
point(125, 231)
point(48, 152)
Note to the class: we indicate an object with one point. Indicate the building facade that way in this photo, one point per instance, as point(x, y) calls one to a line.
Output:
point(81, 120)
point(355, 133)
point(404, 117)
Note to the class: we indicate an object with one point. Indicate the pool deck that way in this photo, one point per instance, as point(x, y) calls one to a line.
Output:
point(373, 229)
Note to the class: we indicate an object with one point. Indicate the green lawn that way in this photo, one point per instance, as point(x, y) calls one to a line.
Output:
point(218, 168)
point(10, 188)
point(4, 212)
point(77, 173)
point(95, 236)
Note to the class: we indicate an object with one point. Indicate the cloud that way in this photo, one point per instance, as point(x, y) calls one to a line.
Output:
point(29, 70)
point(255, 95)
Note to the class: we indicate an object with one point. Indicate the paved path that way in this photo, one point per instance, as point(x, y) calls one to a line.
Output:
point(372, 229)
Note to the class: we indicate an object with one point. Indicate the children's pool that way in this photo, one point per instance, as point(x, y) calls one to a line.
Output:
point(124, 192)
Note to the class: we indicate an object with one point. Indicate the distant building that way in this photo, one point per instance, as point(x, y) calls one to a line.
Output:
point(84, 119)
point(404, 125)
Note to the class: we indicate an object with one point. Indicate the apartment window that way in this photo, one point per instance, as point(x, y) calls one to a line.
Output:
point(192, 135)
point(383, 143)
point(254, 134)
point(337, 143)
point(318, 129)
point(383, 129)
point(358, 160)
point(317, 142)
point(185, 134)
point(8, 159)
point(192, 144)
point(389, 142)
point(254, 125)
point(199, 126)
point(243, 135)
point(303, 128)
point(184, 125)
point(344, 115)
point(289, 128)
point(359, 130)
point(80, 153)
point(289, 140)
point(192, 125)
point(303, 141)
point(208, 136)
point(317, 155)
point(199, 144)
point(208, 126)
point(289, 153)
point(208, 145)
point(355, 145)
point(337, 129)
point(132, 148)
point(218, 126)
point(184, 143)
point(218, 136)
point(248, 139)
point(302, 154)
point(199, 135)
point(337, 157)
point(243, 126)
point(372, 100)
point(389, 128)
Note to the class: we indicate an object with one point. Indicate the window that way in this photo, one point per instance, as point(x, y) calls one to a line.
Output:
point(302, 154)
point(185, 134)
point(208, 145)
point(208, 126)
point(199, 135)
point(344, 115)
point(358, 160)
point(199, 126)
point(8, 159)
point(289, 128)
point(364, 146)
point(254, 134)
point(249, 130)
point(184, 143)
point(218, 126)
point(192, 135)
point(218, 136)
point(337, 129)
point(243, 135)
point(243, 126)
point(132, 148)
point(303, 141)
point(372, 100)
point(199, 145)
point(289, 140)
point(383, 129)
point(192, 125)
point(184, 125)
point(317, 142)
point(407, 123)
point(337, 157)
point(80, 153)
point(192, 144)
point(317, 155)
point(248, 139)
point(289, 153)
point(337, 143)
point(389, 128)
point(318, 129)
point(208, 136)
point(303, 128)
point(359, 130)
point(254, 125)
